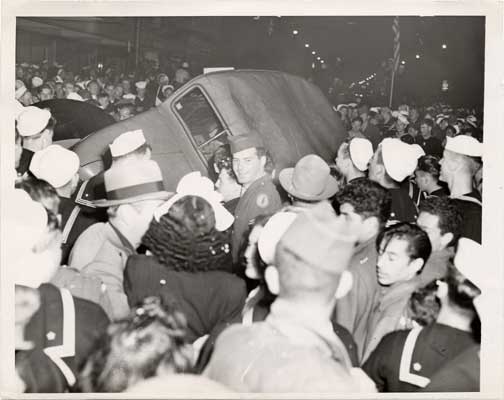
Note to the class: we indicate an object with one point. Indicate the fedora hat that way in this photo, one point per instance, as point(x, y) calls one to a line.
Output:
point(309, 180)
point(132, 182)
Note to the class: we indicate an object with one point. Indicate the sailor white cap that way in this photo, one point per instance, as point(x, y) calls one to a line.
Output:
point(361, 151)
point(55, 165)
point(127, 142)
point(32, 121)
point(399, 158)
point(464, 144)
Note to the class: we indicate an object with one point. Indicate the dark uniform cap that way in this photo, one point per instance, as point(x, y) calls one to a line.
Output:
point(243, 142)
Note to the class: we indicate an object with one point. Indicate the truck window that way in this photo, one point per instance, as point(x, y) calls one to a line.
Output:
point(202, 122)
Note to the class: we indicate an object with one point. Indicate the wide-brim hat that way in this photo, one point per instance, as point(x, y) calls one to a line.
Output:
point(309, 180)
point(132, 182)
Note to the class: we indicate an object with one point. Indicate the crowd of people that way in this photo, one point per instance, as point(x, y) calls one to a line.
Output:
point(121, 94)
point(353, 276)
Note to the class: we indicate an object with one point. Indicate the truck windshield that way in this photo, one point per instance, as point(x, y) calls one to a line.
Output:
point(202, 122)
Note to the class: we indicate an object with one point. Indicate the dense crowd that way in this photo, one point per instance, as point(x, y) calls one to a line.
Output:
point(120, 93)
point(354, 276)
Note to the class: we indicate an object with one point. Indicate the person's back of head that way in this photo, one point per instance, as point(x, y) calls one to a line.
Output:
point(312, 255)
point(427, 173)
point(149, 342)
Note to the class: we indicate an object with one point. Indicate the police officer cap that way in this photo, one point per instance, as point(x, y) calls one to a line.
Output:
point(244, 142)
point(127, 142)
point(55, 165)
point(466, 145)
point(32, 121)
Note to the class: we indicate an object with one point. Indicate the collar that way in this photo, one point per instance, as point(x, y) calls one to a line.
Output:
point(305, 328)
point(123, 240)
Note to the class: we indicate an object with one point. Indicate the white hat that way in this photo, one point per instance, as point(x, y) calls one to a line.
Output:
point(419, 151)
point(127, 142)
point(37, 81)
point(401, 117)
point(74, 96)
point(129, 96)
point(166, 87)
point(20, 89)
point(193, 184)
point(29, 220)
point(55, 165)
point(272, 233)
point(58, 79)
point(464, 144)
point(375, 109)
point(440, 117)
point(352, 104)
point(185, 64)
point(340, 106)
point(82, 85)
point(404, 112)
point(399, 158)
point(32, 121)
point(141, 84)
point(361, 151)
point(468, 261)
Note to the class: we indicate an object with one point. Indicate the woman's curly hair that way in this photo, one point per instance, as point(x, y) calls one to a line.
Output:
point(151, 341)
point(424, 305)
point(185, 238)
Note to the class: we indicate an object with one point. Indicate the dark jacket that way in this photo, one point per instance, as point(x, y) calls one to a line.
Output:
point(432, 146)
point(403, 208)
point(209, 299)
point(24, 161)
point(65, 328)
point(470, 206)
point(404, 361)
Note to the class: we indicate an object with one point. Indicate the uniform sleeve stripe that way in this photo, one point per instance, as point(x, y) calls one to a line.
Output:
point(407, 355)
point(70, 223)
point(67, 348)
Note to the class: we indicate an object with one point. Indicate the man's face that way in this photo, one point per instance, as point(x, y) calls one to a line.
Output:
point(126, 86)
point(420, 179)
point(93, 88)
point(414, 114)
point(104, 101)
point(344, 112)
point(394, 263)
point(430, 224)
point(374, 167)
point(247, 166)
point(443, 124)
point(140, 92)
point(412, 131)
point(69, 88)
point(46, 94)
point(449, 165)
point(140, 217)
point(109, 89)
point(356, 126)
point(425, 130)
point(401, 126)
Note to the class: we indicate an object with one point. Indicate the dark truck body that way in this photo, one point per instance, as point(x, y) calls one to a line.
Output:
point(292, 116)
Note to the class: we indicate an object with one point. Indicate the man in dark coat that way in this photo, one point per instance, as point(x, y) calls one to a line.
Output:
point(260, 196)
point(392, 163)
point(35, 126)
point(461, 160)
point(60, 168)
point(431, 144)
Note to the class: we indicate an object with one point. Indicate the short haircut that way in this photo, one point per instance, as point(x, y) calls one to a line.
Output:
point(419, 245)
point(359, 119)
point(427, 121)
point(449, 214)
point(430, 165)
point(149, 342)
point(368, 198)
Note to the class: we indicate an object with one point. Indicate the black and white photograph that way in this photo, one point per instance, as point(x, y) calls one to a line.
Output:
point(237, 203)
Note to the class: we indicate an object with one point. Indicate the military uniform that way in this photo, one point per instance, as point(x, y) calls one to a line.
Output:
point(260, 198)
point(432, 146)
point(101, 252)
point(403, 208)
point(353, 310)
point(65, 328)
point(404, 361)
point(24, 161)
point(470, 206)
point(75, 219)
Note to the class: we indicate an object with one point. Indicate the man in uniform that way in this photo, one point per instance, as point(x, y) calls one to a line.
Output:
point(367, 204)
point(35, 126)
point(461, 161)
point(392, 163)
point(259, 194)
point(353, 158)
point(60, 168)
point(55, 331)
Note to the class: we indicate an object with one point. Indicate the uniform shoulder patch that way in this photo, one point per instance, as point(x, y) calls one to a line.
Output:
point(262, 200)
